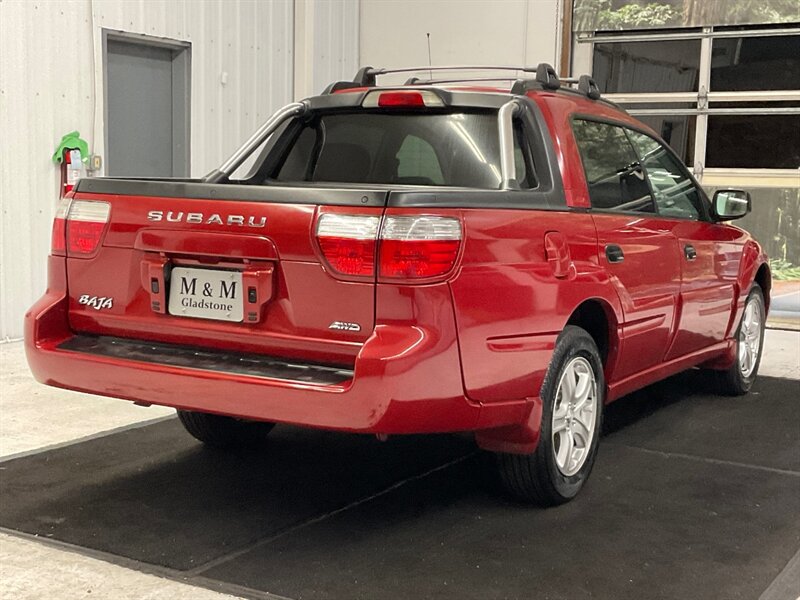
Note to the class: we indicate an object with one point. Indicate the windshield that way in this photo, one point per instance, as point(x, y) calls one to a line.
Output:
point(452, 149)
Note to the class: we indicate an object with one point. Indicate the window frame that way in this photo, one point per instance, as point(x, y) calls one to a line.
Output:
point(705, 202)
point(547, 196)
point(704, 96)
point(267, 173)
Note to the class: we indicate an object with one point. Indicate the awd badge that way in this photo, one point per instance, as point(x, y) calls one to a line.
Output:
point(342, 326)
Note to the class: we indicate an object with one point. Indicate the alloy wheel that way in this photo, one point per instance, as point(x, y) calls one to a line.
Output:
point(574, 416)
point(750, 333)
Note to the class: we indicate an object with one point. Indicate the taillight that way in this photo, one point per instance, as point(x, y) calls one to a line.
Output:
point(348, 243)
point(58, 238)
point(78, 227)
point(418, 247)
point(411, 247)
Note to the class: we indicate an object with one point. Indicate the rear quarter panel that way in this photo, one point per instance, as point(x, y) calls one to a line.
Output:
point(510, 307)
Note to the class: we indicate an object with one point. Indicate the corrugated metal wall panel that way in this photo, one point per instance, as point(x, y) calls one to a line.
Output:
point(336, 41)
point(45, 91)
point(51, 58)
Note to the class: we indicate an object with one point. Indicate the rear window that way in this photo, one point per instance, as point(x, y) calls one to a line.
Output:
point(453, 149)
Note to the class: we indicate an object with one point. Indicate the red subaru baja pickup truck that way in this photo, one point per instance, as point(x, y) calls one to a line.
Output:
point(438, 256)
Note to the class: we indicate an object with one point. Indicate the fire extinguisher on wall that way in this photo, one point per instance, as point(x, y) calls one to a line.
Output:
point(72, 153)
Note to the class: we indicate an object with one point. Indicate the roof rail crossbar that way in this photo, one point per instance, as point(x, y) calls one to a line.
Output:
point(372, 72)
point(416, 81)
point(545, 78)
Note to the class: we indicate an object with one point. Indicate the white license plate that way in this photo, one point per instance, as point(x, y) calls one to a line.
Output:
point(206, 294)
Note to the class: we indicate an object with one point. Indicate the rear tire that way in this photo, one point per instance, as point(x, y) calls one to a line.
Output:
point(223, 432)
point(572, 394)
point(739, 378)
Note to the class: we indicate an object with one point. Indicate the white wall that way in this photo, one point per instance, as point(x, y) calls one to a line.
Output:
point(481, 32)
point(51, 82)
point(326, 44)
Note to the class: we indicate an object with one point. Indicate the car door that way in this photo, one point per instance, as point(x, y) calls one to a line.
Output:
point(709, 254)
point(638, 248)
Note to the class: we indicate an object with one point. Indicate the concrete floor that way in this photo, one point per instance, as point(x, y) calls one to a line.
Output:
point(34, 418)
point(33, 569)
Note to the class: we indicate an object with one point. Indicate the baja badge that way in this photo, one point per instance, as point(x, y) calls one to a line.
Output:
point(96, 302)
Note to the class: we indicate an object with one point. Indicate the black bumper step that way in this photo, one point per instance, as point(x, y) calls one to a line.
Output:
point(238, 363)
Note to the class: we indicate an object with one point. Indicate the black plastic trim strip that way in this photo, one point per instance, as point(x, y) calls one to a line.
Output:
point(322, 194)
point(203, 359)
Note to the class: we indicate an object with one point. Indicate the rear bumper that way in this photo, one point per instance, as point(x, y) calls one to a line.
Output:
point(405, 380)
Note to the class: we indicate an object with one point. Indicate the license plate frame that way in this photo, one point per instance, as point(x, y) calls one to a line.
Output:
point(200, 293)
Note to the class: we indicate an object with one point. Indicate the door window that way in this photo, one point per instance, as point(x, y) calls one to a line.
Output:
point(613, 173)
point(674, 192)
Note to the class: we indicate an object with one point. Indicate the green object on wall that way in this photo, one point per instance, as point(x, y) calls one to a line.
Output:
point(72, 140)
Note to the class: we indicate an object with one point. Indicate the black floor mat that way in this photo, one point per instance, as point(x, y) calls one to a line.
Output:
point(693, 496)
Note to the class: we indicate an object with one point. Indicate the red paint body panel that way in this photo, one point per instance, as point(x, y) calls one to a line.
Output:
point(648, 283)
point(464, 352)
point(709, 284)
point(511, 305)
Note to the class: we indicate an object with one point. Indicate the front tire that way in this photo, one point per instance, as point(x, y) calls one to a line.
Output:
point(739, 378)
point(223, 432)
point(572, 395)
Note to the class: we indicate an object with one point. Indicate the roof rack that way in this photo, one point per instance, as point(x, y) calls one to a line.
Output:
point(545, 77)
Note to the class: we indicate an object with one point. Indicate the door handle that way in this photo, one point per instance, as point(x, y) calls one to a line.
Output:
point(614, 253)
point(689, 252)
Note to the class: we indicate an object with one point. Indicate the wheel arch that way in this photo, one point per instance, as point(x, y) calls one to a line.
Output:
point(763, 278)
point(597, 317)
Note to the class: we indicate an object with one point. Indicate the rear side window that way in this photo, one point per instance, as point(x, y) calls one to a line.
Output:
point(614, 174)
point(434, 149)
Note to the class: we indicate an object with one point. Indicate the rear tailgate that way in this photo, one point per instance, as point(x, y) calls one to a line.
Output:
point(239, 269)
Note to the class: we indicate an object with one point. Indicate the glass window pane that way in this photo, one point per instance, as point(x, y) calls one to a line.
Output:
point(677, 130)
point(675, 193)
point(613, 173)
point(757, 141)
point(662, 66)
point(457, 149)
point(417, 163)
point(756, 63)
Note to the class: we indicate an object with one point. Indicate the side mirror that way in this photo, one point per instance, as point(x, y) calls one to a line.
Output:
point(731, 204)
